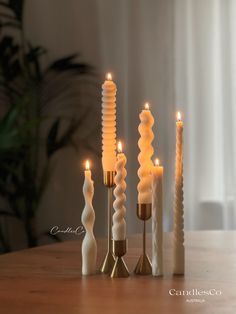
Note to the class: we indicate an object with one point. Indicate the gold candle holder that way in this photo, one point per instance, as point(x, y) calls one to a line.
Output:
point(109, 260)
point(144, 267)
point(120, 269)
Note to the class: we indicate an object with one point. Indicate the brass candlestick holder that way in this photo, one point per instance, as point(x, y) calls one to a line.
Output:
point(144, 267)
point(120, 269)
point(109, 260)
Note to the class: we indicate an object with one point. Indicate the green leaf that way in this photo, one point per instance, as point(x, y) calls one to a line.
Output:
point(52, 137)
point(17, 7)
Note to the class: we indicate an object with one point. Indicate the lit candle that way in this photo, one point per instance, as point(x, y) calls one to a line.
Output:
point(145, 155)
point(108, 124)
point(119, 224)
point(89, 246)
point(178, 232)
point(157, 210)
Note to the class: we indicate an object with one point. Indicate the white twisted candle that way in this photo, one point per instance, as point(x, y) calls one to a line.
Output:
point(144, 157)
point(157, 225)
point(119, 224)
point(108, 124)
point(89, 246)
point(178, 203)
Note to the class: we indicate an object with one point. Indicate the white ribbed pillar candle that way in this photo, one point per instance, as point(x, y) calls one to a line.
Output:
point(108, 124)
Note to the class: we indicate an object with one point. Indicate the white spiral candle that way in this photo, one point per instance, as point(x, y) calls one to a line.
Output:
point(178, 240)
point(157, 225)
point(89, 246)
point(108, 124)
point(119, 224)
point(145, 155)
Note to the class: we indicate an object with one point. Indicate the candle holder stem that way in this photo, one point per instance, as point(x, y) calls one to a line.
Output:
point(108, 262)
point(144, 237)
point(144, 266)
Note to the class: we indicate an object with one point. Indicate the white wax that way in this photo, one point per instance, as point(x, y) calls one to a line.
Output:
point(108, 125)
point(89, 246)
point(157, 223)
point(119, 224)
point(144, 157)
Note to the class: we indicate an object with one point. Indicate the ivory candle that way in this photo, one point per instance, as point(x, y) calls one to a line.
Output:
point(89, 246)
point(119, 224)
point(146, 151)
point(108, 124)
point(178, 232)
point(157, 216)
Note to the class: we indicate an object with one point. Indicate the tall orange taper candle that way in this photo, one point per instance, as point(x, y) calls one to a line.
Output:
point(157, 214)
point(178, 232)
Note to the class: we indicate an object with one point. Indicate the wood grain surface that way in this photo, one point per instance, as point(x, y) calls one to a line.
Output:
point(48, 279)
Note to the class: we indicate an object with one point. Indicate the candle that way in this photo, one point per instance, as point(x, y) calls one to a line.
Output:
point(108, 124)
point(157, 229)
point(145, 155)
point(119, 224)
point(178, 232)
point(89, 246)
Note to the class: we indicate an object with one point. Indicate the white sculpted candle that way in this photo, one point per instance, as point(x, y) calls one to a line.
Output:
point(108, 124)
point(89, 246)
point(178, 240)
point(157, 224)
point(119, 224)
point(145, 155)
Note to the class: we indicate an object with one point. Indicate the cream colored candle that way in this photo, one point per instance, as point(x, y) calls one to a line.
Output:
point(145, 155)
point(108, 124)
point(178, 233)
point(157, 216)
point(89, 246)
point(119, 224)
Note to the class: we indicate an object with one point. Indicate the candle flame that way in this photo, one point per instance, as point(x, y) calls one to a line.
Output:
point(157, 162)
point(178, 116)
point(87, 165)
point(109, 76)
point(119, 147)
point(146, 106)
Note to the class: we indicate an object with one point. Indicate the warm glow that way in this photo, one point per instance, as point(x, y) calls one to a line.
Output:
point(119, 147)
point(178, 116)
point(87, 165)
point(109, 76)
point(157, 162)
point(146, 106)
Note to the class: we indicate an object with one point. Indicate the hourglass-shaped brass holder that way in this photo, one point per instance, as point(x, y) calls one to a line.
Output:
point(120, 269)
point(144, 267)
point(109, 260)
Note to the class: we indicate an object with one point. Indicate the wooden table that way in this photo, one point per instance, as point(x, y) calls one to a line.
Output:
point(48, 279)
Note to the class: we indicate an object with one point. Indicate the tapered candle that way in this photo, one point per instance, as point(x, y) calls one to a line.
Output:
point(146, 151)
point(157, 214)
point(119, 224)
point(89, 246)
point(178, 233)
point(108, 124)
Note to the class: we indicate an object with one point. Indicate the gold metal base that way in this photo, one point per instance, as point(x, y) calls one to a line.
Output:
point(143, 266)
point(108, 178)
point(120, 269)
point(108, 263)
